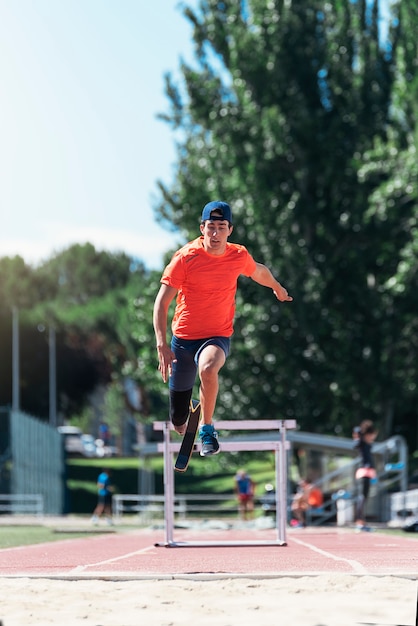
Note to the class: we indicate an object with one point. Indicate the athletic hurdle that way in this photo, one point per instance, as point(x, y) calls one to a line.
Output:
point(279, 446)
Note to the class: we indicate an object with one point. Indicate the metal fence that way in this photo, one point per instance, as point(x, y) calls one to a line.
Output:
point(37, 461)
point(148, 507)
point(22, 504)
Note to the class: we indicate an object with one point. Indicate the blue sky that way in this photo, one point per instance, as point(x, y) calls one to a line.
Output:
point(80, 146)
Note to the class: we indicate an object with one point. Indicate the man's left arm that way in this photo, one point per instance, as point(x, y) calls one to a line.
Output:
point(263, 276)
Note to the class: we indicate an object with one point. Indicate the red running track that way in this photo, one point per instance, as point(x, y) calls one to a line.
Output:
point(133, 554)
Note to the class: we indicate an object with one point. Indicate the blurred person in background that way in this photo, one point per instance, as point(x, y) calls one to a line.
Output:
point(104, 498)
point(366, 434)
point(244, 489)
point(307, 496)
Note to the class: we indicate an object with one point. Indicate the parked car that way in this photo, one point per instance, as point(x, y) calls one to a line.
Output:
point(103, 450)
point(89, 445)
point(75, 442)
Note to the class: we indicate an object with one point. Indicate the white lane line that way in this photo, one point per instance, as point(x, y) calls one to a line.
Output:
point(355, 565)
point(81, 568)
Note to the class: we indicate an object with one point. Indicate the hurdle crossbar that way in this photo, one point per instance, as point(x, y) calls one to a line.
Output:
point(279, 446)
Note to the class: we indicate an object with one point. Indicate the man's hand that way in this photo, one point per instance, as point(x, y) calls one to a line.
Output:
point(166, 358)
point(282, 295)
point(263, 276)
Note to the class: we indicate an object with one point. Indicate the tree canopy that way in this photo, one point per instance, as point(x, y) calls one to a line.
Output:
point(302, 115)
point(86, 296)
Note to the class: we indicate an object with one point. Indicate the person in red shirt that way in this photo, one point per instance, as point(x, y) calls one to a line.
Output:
point(244, 488)
point(308, 496)
point(203, 276)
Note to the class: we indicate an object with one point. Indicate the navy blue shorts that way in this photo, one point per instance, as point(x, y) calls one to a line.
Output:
point(105, 499)
point(187, 353)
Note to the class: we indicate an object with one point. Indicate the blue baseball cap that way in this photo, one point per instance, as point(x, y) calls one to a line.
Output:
point(217, 205)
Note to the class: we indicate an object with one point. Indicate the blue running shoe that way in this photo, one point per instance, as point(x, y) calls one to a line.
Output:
point(209, 438)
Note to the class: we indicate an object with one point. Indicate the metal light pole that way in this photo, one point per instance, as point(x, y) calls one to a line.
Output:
point(52, 378)
point(15, 360)
point(52, 362)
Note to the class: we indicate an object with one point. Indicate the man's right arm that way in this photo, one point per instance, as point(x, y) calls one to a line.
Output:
point(163, 300)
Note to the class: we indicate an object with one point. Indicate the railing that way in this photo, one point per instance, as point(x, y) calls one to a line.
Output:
point(391, 458)
point(149, 506)
point(403, 505)
point(317, 516)
point(22, 504)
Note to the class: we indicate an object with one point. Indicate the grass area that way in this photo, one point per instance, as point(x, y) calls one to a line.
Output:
point(113, 463)
point(205, 476)
point(12, 536)
point(397, 532)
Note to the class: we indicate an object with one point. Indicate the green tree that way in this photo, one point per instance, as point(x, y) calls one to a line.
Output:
point(17, 285)
point(80, 273)
point(85, 294)
point(391, 167)
point(278, 116)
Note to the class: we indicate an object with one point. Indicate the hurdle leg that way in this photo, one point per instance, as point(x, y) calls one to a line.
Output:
point(279, 448)
point(281, 485)
point(168, 487)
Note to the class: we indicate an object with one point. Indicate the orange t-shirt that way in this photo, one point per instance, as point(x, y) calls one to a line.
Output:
point(315, 497)
point(206, 284)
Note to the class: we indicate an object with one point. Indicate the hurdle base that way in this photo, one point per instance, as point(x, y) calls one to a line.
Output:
point(219, 544)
